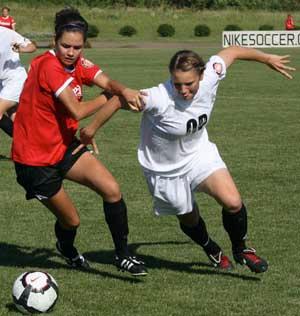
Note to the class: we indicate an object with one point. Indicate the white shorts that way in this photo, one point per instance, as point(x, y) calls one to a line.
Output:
point(175, 195)
point(11, 87)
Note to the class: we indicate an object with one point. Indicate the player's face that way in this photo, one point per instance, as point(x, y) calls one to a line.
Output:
point(5, 12)
point(68, 47)
point(186, 83)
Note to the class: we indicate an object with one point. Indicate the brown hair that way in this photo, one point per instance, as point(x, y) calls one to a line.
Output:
point(186, 60)
point(5, 8)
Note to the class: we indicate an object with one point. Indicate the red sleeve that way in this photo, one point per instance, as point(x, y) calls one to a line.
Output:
point(88, 71)
point(12, 20)
point(53, 78)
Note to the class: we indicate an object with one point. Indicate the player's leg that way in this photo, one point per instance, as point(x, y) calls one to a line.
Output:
point(173, 196)
point(66, 226)
point(45, 184)
point(10, 90)
point(193, 225)
point(221, 186)
point(92, 173)
point(6, 123)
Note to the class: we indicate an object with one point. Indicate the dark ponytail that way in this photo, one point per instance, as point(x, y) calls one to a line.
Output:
point(70, 20)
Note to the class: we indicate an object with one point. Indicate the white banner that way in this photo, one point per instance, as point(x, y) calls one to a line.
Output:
point(261, 38)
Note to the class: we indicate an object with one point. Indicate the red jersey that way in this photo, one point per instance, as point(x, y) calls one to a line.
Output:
point(43, 127)
point(7, 21)
point(289, 24)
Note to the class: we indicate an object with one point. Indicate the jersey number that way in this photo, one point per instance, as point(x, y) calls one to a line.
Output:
point(193, 126)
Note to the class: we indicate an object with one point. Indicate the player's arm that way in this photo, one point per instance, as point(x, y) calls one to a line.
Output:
point(133, 97)
point(29, 48)
point(79, 110)
point(276, 62)
point(23, 47)
point(88, 132)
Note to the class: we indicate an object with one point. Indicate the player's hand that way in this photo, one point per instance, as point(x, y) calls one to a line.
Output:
point(278, 63)
point(15, 47)
point(87, 138)
point(134, 99)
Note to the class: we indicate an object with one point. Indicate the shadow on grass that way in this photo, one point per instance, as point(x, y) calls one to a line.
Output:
point(4, 158)
point(12, 308)
point(40, 258)
point(159, 263)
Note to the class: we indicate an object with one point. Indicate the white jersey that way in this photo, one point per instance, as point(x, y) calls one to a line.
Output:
point(10, 60)
point(173, 130)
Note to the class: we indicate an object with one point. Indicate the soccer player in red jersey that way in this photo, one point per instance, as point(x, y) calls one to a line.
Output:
point(6, 20)
point(289, 23)
point(46, 151)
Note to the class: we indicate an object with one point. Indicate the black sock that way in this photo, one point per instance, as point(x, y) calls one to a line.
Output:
point(6, 124)
point(236, 226)
point(200, 236)
point(116, 218)
point(66, 240)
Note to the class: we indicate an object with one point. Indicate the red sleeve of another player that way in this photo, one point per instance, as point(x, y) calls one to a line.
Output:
point(53, 78)
point(88, 71)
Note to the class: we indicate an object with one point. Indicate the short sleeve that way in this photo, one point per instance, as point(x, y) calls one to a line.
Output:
point(156, 99)
point(88, 71)
point(20, 40)
point(216, 68)
point(148, 100)
point(53, 78)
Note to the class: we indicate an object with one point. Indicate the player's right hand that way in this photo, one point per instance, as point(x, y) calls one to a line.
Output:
point(134, 99)
point(86, 136)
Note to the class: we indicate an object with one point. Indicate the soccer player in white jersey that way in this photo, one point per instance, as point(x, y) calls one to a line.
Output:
point(177, 157)
point(12, 73)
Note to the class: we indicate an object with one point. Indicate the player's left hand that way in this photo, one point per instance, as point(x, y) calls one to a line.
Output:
point(15, 47)
point(134, 99)
point(87, 138)
point(278, 63)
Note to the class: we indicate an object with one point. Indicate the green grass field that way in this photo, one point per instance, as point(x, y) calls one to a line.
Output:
point(256, 127)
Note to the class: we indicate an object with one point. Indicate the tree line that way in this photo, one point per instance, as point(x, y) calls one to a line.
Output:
point(279, 5)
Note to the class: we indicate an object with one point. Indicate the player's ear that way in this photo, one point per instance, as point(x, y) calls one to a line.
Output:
point(52, 43)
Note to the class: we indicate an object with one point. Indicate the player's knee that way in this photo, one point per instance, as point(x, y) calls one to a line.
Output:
point(72, 223)
point(190, 219)
point(112, 192)
point(233, 205)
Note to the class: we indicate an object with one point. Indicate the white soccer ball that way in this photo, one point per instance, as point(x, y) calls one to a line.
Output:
point(35, 292)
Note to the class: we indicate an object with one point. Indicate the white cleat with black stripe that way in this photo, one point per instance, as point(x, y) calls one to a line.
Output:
point(131, 265)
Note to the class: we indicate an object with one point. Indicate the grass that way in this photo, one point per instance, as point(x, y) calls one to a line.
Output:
point(37, 22)
point(256, 127)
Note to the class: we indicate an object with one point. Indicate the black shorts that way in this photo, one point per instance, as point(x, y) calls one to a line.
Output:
point(42, 182)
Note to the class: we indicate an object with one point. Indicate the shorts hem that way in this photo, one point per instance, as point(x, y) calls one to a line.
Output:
point(199, 180)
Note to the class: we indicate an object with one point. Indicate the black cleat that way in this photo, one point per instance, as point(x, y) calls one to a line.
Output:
point(77, 262)
point(249, 258)
point(131, 265)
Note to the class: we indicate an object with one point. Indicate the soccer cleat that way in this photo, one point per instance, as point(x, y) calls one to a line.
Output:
point(220, 261)
point(131, 265)
point(77, 262)
point(248, 257)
